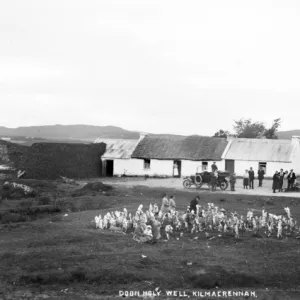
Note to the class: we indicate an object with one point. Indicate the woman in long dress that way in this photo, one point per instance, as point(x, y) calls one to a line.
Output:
point(285, 181)
point(172, 203)
point(165, 206)
point(176, 173)
point(246, 179)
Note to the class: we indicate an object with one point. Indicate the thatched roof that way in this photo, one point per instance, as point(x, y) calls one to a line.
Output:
point(180, 147)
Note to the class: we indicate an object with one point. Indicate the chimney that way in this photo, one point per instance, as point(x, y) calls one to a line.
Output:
point(142, 135)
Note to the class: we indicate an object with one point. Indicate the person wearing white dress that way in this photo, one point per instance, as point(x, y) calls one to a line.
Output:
point(176, 173)
point(165, 206)
point(172, 203)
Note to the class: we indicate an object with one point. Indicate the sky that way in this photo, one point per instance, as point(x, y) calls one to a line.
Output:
point(181, 67)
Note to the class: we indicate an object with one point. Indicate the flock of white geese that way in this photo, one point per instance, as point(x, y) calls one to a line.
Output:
point(152, 224)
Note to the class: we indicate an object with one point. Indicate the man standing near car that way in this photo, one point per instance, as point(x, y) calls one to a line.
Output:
point(251, 178)
point(261, 174)
point(214, 181)
point(232, 181)
point(214, 167)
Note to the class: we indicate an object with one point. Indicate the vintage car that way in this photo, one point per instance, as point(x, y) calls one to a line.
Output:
point(205, 178)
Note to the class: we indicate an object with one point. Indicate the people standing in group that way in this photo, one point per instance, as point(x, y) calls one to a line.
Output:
point(280, 181)
point(232, 181)
point(246, 179)
point(251, 178)
point(275, 185)
point(261, 175)
point(291, 180)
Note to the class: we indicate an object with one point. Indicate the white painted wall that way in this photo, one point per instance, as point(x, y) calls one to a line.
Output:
point(241, 165)
point(135, 167)
point(126, 166)
point(189, 167)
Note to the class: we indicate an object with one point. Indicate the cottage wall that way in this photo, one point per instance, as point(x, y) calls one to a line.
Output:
point(189, 167)
point(135, 167)
point(128, 167)
point(295, 157)
point(241, 165)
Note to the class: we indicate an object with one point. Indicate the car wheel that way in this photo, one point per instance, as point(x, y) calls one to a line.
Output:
point(224, 185)
point(198, 180)
point(187, 183)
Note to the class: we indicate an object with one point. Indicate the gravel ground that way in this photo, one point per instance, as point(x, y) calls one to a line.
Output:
point(176, 183)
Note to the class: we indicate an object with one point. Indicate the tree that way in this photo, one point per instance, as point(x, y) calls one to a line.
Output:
point(248, 129)
point(222, 133)
point(271, 132)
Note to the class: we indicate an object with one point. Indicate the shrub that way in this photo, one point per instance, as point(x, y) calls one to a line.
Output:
point(26, 203)
point(45, 200)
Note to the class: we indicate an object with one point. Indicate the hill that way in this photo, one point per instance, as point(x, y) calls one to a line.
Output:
point(288, 134)
point(70, 132)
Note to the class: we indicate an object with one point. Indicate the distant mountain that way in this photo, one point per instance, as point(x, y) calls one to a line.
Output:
point(70, 132)
point(288, 134)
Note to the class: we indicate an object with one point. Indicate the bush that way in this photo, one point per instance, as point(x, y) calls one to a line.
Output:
point(44, 200)
point(26, 203)
point(13, 218)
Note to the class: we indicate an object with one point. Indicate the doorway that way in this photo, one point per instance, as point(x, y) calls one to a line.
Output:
point(177, 168)
point(109, 168)
point(229, 165)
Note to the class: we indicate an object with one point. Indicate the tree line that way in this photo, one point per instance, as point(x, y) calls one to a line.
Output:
point(251, 130)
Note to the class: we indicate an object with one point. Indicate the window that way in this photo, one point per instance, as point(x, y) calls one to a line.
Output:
point(204, 166)
point(263, 165)
point(146, 164)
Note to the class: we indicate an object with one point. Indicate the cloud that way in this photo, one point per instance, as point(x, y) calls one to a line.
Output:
point(157, 66)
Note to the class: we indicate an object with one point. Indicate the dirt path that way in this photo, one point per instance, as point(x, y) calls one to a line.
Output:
point(176, 183)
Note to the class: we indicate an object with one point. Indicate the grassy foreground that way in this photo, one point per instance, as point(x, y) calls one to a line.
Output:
point(58, 257)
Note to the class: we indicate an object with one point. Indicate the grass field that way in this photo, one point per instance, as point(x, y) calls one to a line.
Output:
point(56, 257)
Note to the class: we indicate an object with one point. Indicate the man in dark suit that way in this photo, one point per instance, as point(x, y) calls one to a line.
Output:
point(214, 167)
point(194, 203)
point(261, 174)
point(251, 178)
point(281, 176)
point(275, 185)
point(291, 180)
